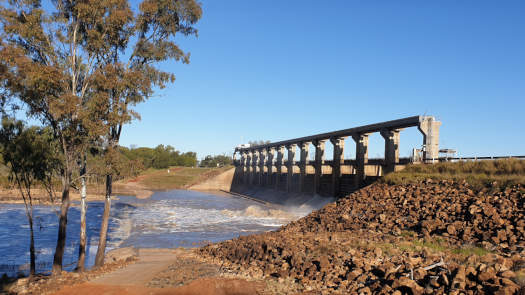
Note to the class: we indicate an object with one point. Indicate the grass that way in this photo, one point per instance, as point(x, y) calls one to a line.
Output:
point(471, 250)
point(436, 245)
point(479, 174)
point(178, 177)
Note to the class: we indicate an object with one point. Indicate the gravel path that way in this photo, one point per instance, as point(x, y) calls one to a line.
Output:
point(150, 262)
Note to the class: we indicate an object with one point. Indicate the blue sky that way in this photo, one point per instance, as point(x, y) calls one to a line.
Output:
point(277, 70)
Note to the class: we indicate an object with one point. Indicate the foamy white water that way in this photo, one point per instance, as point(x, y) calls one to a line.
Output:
point(185, 218)
point(176, 218)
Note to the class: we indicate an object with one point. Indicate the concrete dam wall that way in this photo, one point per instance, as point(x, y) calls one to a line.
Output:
point(264, 167)
point(263, 172)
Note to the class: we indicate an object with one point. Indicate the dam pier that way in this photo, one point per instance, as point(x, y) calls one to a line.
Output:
point(265, 165)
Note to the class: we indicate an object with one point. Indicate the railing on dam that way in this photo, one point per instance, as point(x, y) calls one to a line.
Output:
point(264, 165)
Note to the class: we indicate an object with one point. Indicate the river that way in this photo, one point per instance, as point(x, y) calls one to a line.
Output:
point(177, 218)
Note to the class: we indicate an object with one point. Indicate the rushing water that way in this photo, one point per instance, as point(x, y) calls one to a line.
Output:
point(168, 219)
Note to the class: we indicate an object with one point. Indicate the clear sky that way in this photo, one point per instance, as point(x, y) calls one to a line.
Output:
point(276, 70)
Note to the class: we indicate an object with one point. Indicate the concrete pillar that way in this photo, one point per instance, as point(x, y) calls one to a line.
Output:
point(248, 174)
point(243, 166)
point(361, 157)
point(262, 156)
point(302, 164)
point(430, 129)
point(255, 158)
point(269, 163)
point(319, 161)
point(338, 144)
point(291, 155)
point(279, 166)
point(391, 149)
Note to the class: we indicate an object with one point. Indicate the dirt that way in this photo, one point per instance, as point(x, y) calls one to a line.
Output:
point(132, 188)
point(215, 286)
point(41, 196)
point(149, 263)
point(45, 284)
point(152, 271)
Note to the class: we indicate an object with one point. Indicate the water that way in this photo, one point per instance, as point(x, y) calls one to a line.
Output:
point(168, 219)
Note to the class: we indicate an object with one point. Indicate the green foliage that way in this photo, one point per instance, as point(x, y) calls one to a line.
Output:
point(130, 162)
point(160, 157)
point(29, 153)
point(216, 161)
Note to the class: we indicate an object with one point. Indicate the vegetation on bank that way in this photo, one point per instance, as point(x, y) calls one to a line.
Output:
point(216, 161)
point(479, 174)
point(174, 177)
point(129, 163)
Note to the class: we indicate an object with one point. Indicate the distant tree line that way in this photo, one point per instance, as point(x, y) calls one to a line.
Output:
point(215, 161)
point(18, 142)
point(159, 157)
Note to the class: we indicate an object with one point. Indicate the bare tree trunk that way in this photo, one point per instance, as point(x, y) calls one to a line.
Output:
point(82, 244)
point(29, 213)
point(61, 240)
point(32, 245)
point(99, 259)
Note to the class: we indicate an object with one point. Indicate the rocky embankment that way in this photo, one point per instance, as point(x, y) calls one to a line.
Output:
point(425, 238)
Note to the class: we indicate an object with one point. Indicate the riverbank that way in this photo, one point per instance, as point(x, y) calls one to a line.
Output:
point(437, 235)
point(428, 237)
point(142, 186)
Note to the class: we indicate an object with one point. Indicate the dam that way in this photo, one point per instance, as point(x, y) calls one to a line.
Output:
point(265, 166)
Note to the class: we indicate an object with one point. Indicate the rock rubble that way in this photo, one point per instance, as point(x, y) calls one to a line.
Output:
point(425, 238)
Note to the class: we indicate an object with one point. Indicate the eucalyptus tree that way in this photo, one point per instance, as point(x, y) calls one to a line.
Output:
point(30, 157)
point(81, 65)
point(130, 77)
point(50, 58)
